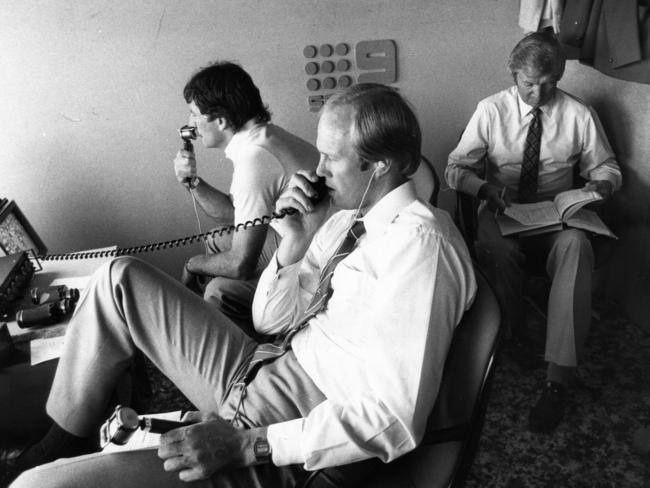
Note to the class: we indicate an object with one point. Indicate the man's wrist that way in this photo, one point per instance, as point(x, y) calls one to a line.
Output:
point(194, 182)
point(482, 193)
point(262, 450)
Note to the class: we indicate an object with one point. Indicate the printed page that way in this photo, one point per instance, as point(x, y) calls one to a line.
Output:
point(569, 202)
point(537, 214)
point(590, 221)
point(509, 226)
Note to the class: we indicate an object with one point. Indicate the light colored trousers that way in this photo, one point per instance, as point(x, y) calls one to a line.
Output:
point(131, 306)
point(569, 265)
point(234, 297)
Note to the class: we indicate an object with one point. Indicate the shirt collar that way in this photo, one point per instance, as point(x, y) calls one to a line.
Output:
point(386, 210)
point(525, 109)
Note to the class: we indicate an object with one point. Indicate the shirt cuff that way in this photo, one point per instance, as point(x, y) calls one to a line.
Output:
point(608, 175)
point(284, 439)
point(473, 184)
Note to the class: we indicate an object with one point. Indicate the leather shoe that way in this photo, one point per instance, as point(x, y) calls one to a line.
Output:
point(547, 414)
point(8, 471)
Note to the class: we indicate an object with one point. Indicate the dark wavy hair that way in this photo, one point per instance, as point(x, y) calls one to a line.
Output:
point(385, 125)
point(540, 51)
point(224, 89)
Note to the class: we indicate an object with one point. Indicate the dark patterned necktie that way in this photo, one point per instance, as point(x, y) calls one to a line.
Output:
point(269, 351)
point(530, 164)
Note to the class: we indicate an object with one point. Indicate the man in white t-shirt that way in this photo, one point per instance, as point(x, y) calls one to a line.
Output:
point(228, 113)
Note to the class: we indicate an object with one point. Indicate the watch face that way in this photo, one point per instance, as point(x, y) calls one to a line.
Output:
point(262, 450)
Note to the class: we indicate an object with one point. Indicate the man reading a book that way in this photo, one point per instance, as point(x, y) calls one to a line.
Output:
point(524, 144)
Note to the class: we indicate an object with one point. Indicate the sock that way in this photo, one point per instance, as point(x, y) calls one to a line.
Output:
point(57, 443)
point(559, 374)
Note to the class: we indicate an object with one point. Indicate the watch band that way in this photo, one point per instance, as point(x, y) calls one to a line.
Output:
point(262, 450)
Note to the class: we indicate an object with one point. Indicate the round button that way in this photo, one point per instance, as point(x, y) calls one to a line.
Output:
point(325, 50)
point(311, 68)
point(329, 83)
point(313, 84)
point(342, 49)
point(343, 65)
point(345, 81)
point(327, 66)
point(310, 51)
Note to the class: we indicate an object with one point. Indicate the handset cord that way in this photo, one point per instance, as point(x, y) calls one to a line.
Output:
point(198, 220)
point(183, 241)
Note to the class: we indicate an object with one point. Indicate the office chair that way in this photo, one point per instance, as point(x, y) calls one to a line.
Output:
point(427, 182)
point(445, 455)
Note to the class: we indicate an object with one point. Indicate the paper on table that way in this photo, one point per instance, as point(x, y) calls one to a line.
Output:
point(41, 350)
point(79, 282)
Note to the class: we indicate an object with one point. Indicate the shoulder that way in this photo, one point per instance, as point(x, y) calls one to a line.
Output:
point(425, 220)
point(568, 101)
point(501, 99)
point(572, 109)
point(498, 104)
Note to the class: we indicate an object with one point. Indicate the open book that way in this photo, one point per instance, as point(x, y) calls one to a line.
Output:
point(526, 219)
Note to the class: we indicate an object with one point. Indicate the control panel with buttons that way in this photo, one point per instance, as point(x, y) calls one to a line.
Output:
point(330, 67)
point(16, 272)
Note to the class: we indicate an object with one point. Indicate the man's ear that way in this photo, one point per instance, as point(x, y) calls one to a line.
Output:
point(222, 123)
point(381, 167)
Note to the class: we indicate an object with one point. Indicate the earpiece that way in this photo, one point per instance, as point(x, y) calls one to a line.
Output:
point(365, 165)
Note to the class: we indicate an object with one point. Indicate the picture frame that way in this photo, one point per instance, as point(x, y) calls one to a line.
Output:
point(16, 233)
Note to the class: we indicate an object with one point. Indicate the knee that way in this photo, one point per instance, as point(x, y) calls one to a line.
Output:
point(121, 267)
point(29, 479)
point(573, 242)
point(218, 288)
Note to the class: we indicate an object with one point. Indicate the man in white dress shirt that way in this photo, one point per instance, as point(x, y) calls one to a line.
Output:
point(350, 386)
point(495, 141)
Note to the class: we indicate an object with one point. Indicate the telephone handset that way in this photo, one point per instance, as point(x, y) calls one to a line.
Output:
point(188, 134)
point(321, 192)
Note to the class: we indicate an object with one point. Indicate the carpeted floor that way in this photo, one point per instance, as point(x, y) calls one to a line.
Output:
point(592, 447)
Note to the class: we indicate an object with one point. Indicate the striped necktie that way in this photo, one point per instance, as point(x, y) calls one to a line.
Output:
point(269, 351)
point(530, 164)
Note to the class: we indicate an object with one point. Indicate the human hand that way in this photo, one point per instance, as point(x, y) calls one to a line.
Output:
point(187, 277)
point(298, 229)
point(299, 196)
point(497, 198)
point(603, 187)
point(184, 165)
point(199, 450)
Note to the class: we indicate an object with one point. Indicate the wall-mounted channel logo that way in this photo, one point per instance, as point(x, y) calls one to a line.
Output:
point(333, 66)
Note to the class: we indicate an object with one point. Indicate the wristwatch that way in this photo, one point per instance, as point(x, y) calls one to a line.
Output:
point(194, 182)
point(262, 450)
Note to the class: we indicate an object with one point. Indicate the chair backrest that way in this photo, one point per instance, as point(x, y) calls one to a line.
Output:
point(427, 182)
point(446, 453)
point(466, 214)
point(458, 414)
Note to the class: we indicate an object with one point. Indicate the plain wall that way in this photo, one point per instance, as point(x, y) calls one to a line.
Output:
point(91, 100)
